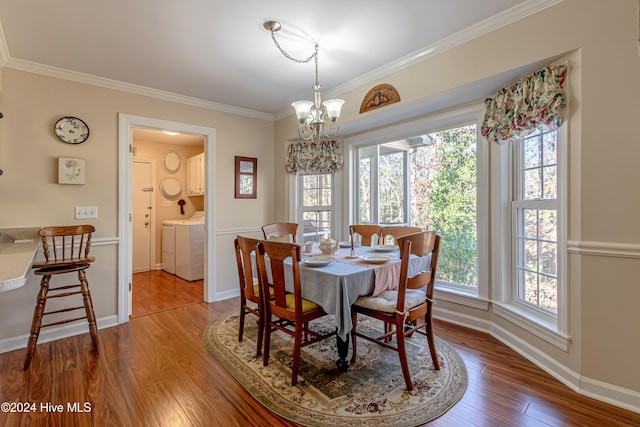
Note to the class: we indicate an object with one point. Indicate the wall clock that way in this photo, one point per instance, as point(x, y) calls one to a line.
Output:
point(71, 130)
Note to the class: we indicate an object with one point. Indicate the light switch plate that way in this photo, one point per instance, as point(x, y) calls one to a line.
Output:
point(86, 212)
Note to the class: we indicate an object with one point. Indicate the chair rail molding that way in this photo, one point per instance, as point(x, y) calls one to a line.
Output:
point(608, 249)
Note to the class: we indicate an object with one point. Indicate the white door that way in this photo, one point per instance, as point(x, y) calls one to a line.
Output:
point(143, 252)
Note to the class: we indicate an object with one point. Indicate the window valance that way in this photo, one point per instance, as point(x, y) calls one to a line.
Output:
point(531, 102)
point(308, 158)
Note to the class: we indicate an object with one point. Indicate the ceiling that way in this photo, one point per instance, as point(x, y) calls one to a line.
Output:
point(217, 52)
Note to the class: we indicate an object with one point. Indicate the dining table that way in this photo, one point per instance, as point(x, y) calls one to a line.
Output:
point(335, 281)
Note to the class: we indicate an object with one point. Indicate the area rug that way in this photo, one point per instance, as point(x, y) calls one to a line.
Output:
point(371, 393)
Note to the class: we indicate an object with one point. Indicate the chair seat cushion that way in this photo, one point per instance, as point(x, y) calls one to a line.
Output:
point(256, 290)
point(306, 304)
point(388, 300)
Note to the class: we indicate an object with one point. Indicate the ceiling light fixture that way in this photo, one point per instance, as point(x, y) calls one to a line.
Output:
point(317, 119)
point(168, 132)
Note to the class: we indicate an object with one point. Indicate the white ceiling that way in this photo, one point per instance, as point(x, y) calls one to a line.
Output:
point(218, 52)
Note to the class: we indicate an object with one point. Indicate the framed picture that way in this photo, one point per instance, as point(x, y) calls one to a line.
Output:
point(246, 177)
point(71, 170)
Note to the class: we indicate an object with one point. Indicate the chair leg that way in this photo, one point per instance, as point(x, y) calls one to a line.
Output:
point(37, 321)
point(88, 308)
point(432, 344)
point(297, 346)
point(243, 302)
point(267, 339)
point(402, 353)
point(261, 326)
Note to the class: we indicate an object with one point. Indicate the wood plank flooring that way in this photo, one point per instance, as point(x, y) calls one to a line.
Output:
point(154, 371)
point(157, 290)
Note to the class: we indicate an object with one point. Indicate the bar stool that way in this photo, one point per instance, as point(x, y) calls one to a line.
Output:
point(66, 249)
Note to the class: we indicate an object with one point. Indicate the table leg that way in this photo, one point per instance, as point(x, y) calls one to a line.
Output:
point(343, 351)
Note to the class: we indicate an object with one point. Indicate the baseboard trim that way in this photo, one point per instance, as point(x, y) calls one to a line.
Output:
point(220, 296)
point(55, 333)
point(614, 395)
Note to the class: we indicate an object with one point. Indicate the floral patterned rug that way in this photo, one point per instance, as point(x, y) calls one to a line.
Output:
point(371, 393)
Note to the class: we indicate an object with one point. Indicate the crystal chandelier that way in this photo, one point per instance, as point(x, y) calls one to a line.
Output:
point(317, 119)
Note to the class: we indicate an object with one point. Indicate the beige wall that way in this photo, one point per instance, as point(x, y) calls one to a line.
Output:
point(599, 41)
point(30, 196)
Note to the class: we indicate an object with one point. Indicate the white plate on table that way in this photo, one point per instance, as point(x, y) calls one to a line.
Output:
point(384, 248)
point(317, 261)
point(376, 258)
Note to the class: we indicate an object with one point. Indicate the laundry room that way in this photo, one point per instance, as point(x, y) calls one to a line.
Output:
point(167, 220)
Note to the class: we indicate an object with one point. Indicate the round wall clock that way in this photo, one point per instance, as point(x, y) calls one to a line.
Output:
point(71, 130)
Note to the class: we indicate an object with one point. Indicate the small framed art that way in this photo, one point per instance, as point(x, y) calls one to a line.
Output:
point(246, 177)
point(71, 170)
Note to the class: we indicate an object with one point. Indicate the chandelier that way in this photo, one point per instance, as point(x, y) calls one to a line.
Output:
point(316, 119)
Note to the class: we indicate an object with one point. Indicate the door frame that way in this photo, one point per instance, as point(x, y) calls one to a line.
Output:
point(152, 213)
point(126, 124)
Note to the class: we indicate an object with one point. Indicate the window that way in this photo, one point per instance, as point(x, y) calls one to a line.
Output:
point(535, 222)
point(429, 181)
point(317, 205)
point(382, 184)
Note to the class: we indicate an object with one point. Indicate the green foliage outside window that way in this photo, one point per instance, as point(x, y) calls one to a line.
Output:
point(443, 198)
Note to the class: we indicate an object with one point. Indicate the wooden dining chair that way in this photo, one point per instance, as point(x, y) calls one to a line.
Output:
point(292, 312)
point(66, 250)
point(250, 292)
point(366, 232)
point(407, 309)
point(280, 231)
point(397, 231)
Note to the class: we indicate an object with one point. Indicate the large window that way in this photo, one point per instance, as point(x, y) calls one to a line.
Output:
point(429, 181)
point(535, 222)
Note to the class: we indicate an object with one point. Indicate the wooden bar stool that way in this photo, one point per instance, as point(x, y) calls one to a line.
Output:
point(66, 249)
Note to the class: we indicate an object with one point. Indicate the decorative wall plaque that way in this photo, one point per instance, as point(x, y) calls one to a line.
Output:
point(379, 96)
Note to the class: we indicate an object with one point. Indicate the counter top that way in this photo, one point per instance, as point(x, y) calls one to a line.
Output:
point(16, 257)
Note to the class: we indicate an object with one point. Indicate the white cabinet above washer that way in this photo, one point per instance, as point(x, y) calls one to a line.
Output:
point(195, 175)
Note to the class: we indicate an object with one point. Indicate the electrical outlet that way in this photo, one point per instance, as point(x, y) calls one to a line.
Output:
point(86, 212)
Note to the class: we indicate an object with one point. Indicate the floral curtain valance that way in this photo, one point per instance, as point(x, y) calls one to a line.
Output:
point(307, 158)
point(531, 102)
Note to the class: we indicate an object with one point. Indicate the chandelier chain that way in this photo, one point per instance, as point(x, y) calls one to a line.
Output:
point(286, 55)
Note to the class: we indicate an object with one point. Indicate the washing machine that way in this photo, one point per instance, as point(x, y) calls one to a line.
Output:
point(168, 246)
point(183, 255)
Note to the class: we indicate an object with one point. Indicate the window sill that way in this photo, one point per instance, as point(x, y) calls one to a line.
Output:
point(543, 330)
point(461, 297)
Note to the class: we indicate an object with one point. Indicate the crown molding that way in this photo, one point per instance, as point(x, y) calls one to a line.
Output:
point(463, 36)
point(61, 73)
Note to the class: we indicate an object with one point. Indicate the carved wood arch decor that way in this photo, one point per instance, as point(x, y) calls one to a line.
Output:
point(379, 96)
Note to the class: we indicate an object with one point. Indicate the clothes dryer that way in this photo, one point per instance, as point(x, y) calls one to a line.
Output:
point(183, 250)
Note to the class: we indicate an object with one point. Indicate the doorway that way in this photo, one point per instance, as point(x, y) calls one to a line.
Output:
point(127, 124)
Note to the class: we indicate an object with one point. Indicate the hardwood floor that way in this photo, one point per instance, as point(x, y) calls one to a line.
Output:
point(154, 371)
point(157, 290)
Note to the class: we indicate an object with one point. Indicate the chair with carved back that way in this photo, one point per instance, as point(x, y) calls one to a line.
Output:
point(66, 250)
point(280, 231)
point(395, 232)
point(407, 309)
point(250, 292)
point(287, 311)
point(366, 232)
